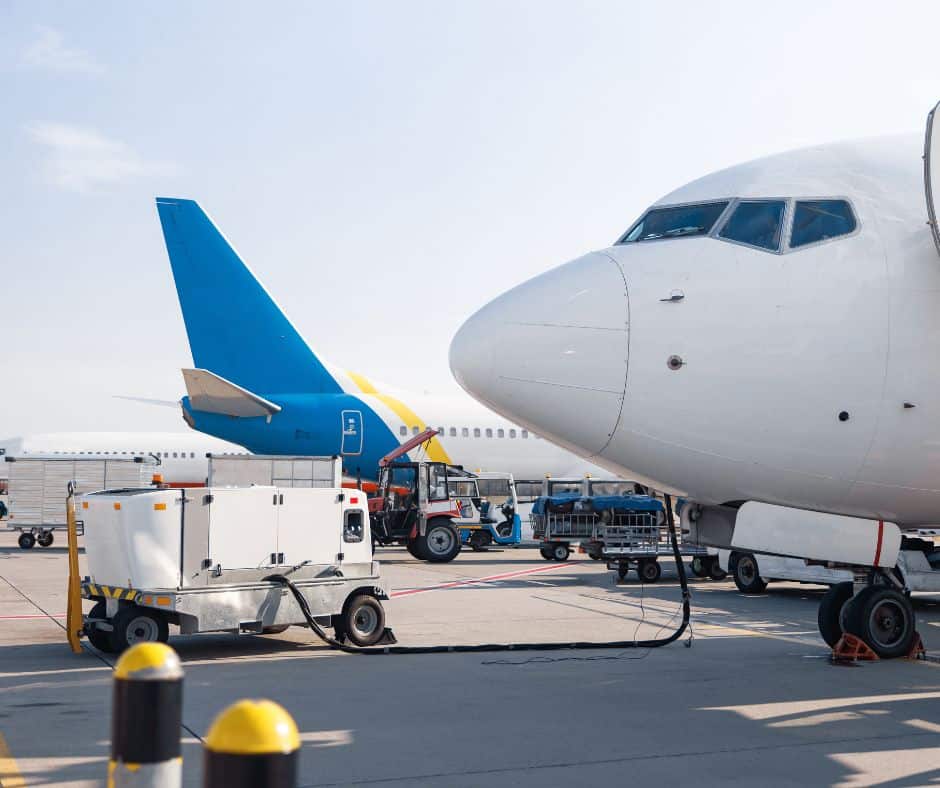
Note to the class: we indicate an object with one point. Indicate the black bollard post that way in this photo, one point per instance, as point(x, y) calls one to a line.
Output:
point(252, 744)
point(146, 714)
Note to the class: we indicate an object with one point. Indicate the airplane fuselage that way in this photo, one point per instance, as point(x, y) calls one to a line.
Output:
point(801, 376)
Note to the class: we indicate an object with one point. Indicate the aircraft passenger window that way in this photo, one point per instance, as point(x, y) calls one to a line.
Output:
point(192, 455)
point(524, 434)
point(476, 432)
point(489, 433)
point(165, 454)
point(500, 433)
point(756, 223)
point(174, 455)
point(512, 433)
point(403, 430)
point(414, 430)
point(453, 432)
point(465, 432)
point(680, 221)
point(819, 220)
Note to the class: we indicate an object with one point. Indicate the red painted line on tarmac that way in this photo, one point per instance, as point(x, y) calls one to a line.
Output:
point(472, 581)
point(881, 532)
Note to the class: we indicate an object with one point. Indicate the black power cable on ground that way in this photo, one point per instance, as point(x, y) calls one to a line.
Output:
point(491, 647)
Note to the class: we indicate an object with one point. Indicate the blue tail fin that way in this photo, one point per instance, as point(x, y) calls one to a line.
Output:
point(235, 329)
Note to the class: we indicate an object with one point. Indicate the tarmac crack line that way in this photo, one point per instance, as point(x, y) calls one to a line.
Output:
point(624, 759)
point(95, 653)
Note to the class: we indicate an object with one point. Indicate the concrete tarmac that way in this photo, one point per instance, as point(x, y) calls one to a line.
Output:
point(748, 696)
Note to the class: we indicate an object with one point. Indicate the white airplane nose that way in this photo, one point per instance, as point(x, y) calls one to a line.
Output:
point(531, 354)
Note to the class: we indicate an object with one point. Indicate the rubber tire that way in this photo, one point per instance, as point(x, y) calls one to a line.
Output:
point(46, 539)
point(649, 570)
point(125, 617)
point(560, 551)
point(697, 567)
point(439, 558)
point(715, 572)
point(478, 543)
point(746, 573)
point(829, 615)
point(349, 620)
point(277, 629)
point(860, 610)
point(413, 549)
point(99, 638)
point(546, 553)
point(26, 541)
point(623, 570)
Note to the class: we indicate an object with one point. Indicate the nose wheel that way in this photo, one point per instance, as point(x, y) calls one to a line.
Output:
point(880, 616)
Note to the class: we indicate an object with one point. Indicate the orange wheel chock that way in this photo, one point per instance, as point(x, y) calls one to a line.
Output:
point(852, 649)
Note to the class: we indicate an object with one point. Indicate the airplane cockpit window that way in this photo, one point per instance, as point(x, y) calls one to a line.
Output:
point(755, 223)
point(679, 221)
point(820, 220)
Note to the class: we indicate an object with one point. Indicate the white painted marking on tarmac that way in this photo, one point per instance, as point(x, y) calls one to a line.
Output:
point(767, 711)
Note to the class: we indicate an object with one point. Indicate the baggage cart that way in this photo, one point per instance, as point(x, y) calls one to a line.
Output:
point(37, 489)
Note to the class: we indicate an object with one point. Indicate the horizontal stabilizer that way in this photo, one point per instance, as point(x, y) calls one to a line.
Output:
point(210, 393)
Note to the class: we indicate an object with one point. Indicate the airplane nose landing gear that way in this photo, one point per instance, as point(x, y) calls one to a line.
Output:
point(877, 622)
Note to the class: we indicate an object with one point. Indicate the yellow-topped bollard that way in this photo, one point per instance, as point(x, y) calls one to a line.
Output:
point(252, 744)
point(146, 714)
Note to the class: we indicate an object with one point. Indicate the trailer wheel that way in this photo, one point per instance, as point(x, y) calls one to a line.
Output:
point(364, 620)
point(99, 638)
point(649, 570)
point(623, 569)
point(546, 553)
point(440, 543)
point(45, 539)
point(135, 624)
point(883, 618)
point(479, 541)
point(26, 541)
point(560, 551)
point(276, 629)
point(715, 572)
point(829, 615)
point(746, 574)
point(697, 566)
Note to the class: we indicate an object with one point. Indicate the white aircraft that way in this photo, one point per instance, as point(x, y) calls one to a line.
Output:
point(182, 455)
point(766, 336)
point(260, 385)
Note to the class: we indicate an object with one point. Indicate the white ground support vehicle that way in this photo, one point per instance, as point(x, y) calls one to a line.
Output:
point(37, 489)
point(915, 568)
point(202, 558)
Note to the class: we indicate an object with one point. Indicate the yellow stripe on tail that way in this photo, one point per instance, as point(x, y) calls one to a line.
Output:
point(436, 451)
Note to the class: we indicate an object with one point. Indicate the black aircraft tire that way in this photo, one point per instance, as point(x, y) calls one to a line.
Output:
point(829, 615)
point(26, 541)
point(884, 619)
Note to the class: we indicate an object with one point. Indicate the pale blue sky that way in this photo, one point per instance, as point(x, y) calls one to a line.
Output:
point(385, 168)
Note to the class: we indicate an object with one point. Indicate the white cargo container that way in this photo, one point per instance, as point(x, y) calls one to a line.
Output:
point(37, 488)
point(199, 559)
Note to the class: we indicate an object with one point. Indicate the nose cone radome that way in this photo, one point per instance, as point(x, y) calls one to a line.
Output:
point(551, 354)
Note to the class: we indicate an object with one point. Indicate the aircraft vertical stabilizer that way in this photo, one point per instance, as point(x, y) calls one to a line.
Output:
point(235, 328)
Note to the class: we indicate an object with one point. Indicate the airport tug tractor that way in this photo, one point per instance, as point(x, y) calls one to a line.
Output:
point(413, 507)
point(486, 504)
point(233, 558)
